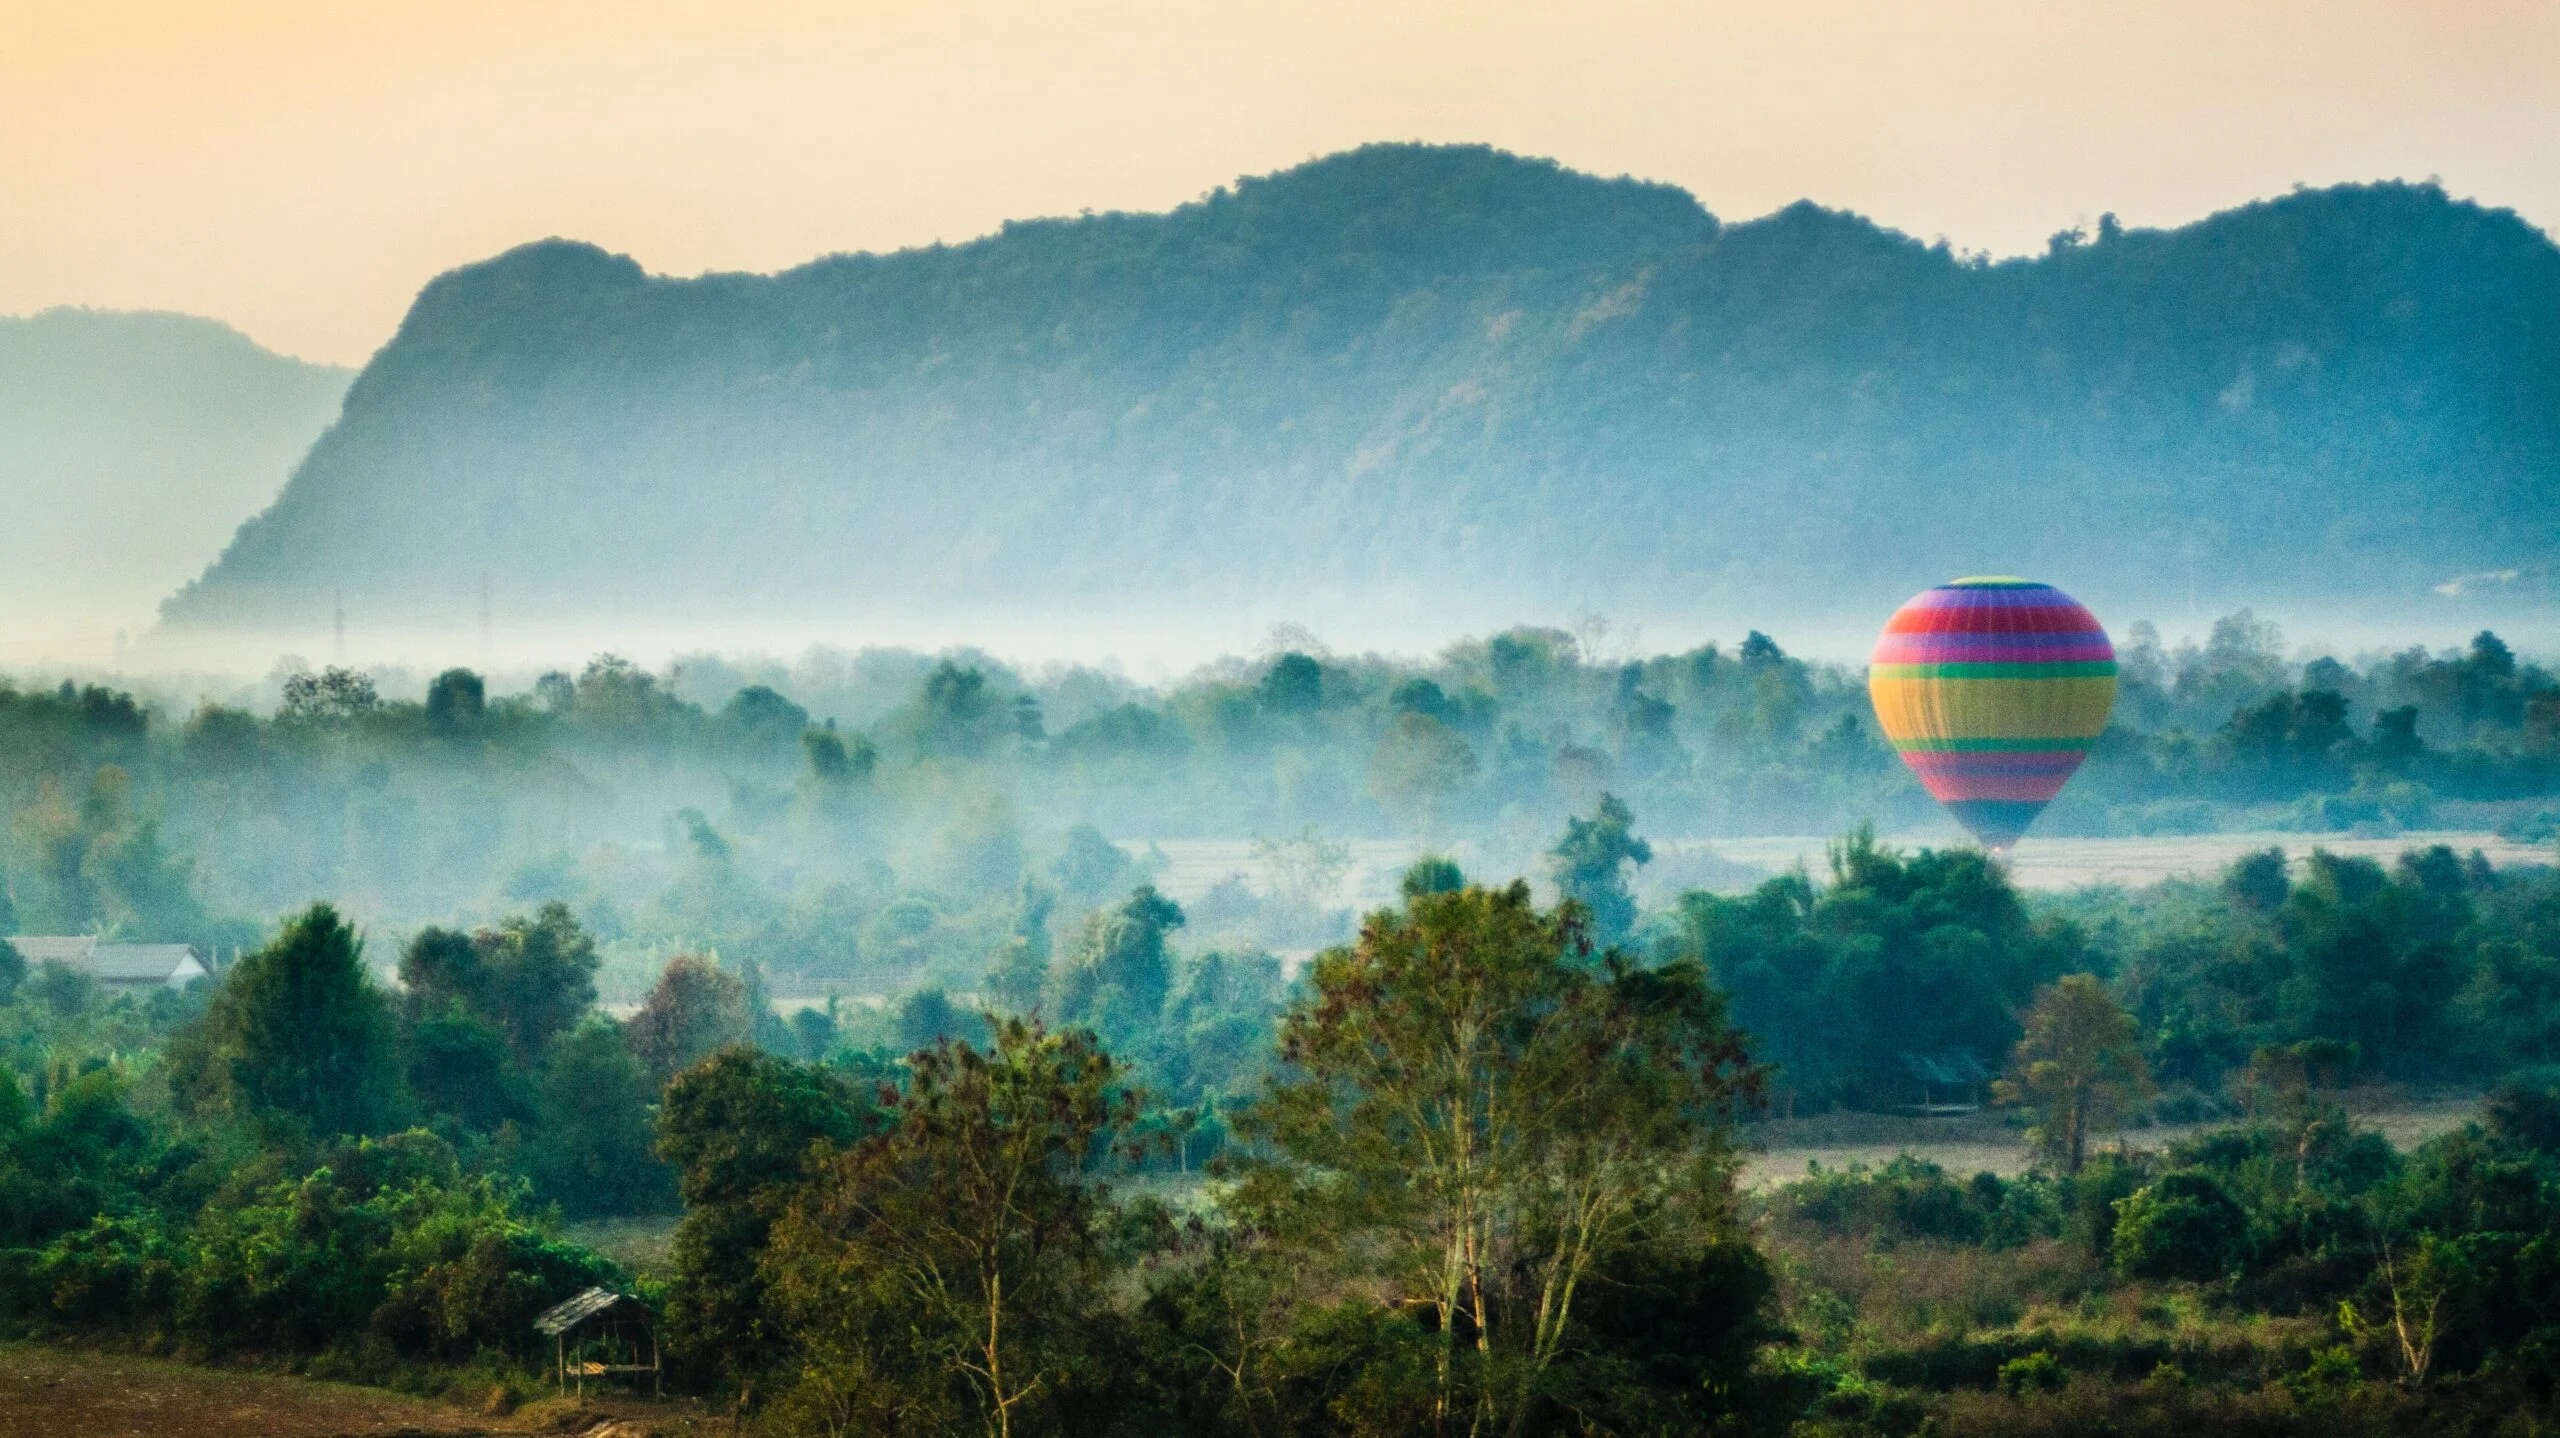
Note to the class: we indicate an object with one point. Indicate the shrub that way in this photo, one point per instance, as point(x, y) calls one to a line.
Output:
point(2182, 1226)
point(2035, 1373)
point(1908, 1198)
point(2526, 1108)
point(387, 1241)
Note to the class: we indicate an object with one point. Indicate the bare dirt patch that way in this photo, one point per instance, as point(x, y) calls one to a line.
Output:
point(61, 1392)
point(50, 1392)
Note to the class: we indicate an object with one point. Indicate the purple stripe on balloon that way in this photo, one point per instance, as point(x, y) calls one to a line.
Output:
point(2033, 639)
point(1946, 597)
point(1992, 649)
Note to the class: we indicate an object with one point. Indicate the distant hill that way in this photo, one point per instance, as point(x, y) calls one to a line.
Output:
point(1448, 381)
point(131, 447)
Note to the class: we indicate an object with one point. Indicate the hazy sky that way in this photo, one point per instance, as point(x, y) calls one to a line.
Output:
point(299, 169)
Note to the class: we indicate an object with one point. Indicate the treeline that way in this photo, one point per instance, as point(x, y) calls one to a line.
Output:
point(869, 823)
point(936, 1241)
point(1477, 1169)
point(1899, 980)
point(236, 1170)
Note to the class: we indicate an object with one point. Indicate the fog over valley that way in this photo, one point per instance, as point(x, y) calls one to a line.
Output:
point(1429, 794)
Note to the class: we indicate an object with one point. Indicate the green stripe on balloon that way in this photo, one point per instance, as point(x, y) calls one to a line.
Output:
point(2080, 669)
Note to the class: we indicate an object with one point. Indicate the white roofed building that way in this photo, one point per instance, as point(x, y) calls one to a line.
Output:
point(131, 967)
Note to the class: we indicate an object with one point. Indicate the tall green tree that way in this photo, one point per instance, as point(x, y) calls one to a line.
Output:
point(742, 1130)
point(939, 1274)
point(1592, 864)
point(541, 977)
point(1121, 973)
point(457, 700)
point(693, 1010)
point(1932, 953)
point(529, 980)
point(459, 1066)
point(1418, 765)
point(298, 1032)
point(2079, 1066)
point(1294, 684)
point(1500, 1114)
point(596, 1152)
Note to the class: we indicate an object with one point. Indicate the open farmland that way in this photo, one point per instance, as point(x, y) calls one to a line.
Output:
point(48, 1392)
point(57, 1393)
point(1994, 1141)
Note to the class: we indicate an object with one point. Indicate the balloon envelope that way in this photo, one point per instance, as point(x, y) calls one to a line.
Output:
point(1993, 690)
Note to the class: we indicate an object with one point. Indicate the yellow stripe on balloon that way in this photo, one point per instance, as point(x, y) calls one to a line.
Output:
point(2074, 708)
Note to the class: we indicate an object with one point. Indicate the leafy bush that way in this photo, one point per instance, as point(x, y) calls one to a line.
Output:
point(387, 1241)
point(2184, 1225)
point(1908, 1198)
point(2035, 1373)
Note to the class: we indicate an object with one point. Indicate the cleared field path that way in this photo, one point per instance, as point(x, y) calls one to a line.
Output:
point(1980, 1143)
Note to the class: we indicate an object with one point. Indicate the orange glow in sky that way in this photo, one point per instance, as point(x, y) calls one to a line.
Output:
point(300, 169)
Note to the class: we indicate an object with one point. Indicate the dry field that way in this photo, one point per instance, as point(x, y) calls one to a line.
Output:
point(1985, 1142)
point(57, 1392)
point(50, 1392)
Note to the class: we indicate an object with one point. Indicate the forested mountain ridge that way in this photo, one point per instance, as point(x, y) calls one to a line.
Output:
point(131, 444)
point(1454, 377)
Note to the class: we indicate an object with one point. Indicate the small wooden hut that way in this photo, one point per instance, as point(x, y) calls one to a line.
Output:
point(598, 1334)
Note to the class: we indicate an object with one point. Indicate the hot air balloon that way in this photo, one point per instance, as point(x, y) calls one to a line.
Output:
point(1993, 690)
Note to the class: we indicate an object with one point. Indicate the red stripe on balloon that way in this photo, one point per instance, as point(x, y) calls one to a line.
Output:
point(2026, 788)
point(2028, 761)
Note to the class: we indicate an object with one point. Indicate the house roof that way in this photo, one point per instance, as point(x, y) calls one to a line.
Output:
point(70, 949)
point(561, 1317)
point(1950, 1066)
point(113, 963)
point(144, 963)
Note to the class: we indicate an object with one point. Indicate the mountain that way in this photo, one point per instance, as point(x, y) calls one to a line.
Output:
point(1416, 383)
point(131, 447)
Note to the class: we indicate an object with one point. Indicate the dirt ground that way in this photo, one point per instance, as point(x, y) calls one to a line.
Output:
point(1980, 1142)
point(50, 1392)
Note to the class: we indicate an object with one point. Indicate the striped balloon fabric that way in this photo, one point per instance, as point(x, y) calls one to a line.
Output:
point(1993, 690)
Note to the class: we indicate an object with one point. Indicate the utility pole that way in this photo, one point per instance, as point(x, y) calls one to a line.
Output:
point(338, 641)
